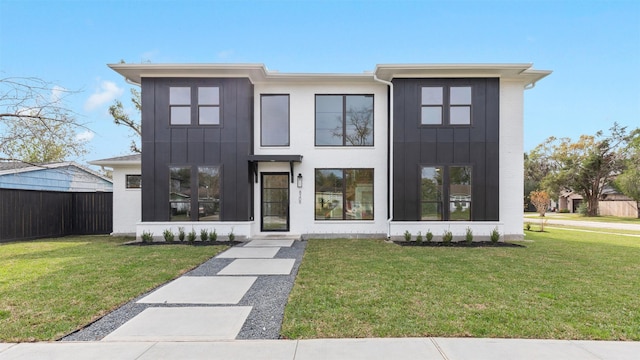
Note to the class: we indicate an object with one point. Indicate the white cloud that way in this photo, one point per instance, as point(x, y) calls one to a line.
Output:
point(85, 136)
point(107, 92)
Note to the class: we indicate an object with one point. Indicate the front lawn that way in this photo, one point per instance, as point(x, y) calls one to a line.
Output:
point(563, 285)
point(51, 287)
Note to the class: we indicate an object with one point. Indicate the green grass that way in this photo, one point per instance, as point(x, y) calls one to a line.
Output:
point(579, 217)
point(49, 288)
point(563, 285)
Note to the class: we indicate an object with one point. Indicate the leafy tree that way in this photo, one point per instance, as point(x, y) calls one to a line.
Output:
point(35, 124)
point(628, 182)
point(585, 166)
point(540, 199)
point(120, 117)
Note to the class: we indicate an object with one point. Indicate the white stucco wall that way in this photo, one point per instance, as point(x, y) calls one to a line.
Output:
point(302, 142)
point(511, 158)
point(127, 203)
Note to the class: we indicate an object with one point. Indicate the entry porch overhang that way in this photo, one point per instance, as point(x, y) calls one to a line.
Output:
point(255, 159)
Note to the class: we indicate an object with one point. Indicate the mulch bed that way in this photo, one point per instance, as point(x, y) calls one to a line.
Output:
point(473, 244)
point(194, 243)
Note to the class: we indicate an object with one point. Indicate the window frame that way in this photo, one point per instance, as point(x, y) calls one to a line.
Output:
point(446, 105)
point(139, 181)
point(344, 195)
point(214, 200)
point(345, 142)
point(288, 96)
point(177, 202)
point(194, 105)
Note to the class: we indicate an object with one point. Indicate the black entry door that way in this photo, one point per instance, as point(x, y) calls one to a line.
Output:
point(275, 202)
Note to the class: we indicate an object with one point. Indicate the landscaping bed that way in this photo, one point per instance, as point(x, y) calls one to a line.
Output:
point(463, 244)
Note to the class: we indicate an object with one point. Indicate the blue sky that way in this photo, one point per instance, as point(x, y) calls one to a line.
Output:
point(592, 47)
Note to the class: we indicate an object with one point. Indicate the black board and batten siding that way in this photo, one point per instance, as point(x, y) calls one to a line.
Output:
point(227, 145)
point(32, 214)
point(418, 145)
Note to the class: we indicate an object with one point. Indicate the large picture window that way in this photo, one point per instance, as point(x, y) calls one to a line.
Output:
point(181, 183)
point(344, 194)
point(445, 182)
point(274, 125)
point(449, 105)
point(344, 120)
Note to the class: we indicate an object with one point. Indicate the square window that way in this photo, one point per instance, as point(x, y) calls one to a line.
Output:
point(209, 115)
point(460, 115)
point(180, 115)
point(432, 95)
point(208, 96)
point(431, 115)
point(460, 95)
point(133, 181)
point(180, 96)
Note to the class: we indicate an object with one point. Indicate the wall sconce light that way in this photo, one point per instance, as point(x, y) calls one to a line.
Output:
point(299, 183)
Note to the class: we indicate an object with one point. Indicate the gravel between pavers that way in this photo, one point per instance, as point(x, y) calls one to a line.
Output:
point(268, 297)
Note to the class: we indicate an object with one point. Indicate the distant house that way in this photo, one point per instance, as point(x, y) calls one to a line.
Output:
point(611, 203)
point(406, 147)
point(127, 184)
point(59, 176)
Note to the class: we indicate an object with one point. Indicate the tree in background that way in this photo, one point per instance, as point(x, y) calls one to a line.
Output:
point(585, 166)
point(628, 182)
point(35, 124)
point(540, 199)
point(120, 117)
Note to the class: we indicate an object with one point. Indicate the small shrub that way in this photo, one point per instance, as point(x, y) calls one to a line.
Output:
point(447, 236)
point(468, 235)
point(147, 236)
point(583, 209)
point(419, 237)
point(181, 234)
point(563, 211)
point(204, 235)
point(429, 235)
point(407, 235)
point(168, 235)
point(213, 235)
point(232, 236)
point(527, 226)
point(191, 236)
point(495, 235)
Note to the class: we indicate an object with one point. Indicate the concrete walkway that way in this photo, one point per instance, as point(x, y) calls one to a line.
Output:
point(202, 316)
point(330, 349)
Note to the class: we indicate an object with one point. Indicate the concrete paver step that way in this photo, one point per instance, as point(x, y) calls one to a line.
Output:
point(201, 290)
point(258, 267)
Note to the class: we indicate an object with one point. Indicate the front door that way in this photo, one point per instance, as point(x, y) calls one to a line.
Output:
point(275, 202)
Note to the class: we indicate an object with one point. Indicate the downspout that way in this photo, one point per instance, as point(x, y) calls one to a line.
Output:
point(390, 158)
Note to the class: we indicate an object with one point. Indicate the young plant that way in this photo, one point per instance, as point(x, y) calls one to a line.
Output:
point(191, 236)
point(468, 235)
point(429, 235)
point(147, 236)
point(407, 235)
point(419, 237)
point(168, 235)
point(181, 234)
point(527, 226)
point(232, 236)
point(204, 235)
point(495, 235)
point(213, 235)
point(447, 236)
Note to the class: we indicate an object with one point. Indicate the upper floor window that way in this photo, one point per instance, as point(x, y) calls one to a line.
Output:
point(449, 105)
point(274, 125)
point(208, 105)
point(344, 120)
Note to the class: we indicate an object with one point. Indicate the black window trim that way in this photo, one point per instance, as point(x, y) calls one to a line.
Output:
point(126, 182)
point(446, 184)
point(344, 119)
point(288, 119)
point(344, 198)
point(194, 106)
point(446, 104)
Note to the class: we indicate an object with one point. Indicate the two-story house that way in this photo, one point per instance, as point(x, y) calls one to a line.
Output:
point(236, 147)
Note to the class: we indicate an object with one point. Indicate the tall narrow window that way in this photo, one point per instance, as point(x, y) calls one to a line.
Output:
point(344, 120)
point(208, 106)
point(460, 109)
point(208, 193)
point(431, 193)
point(460, 193)
point(180, 105)
point(432, 104)
point(344, 194)
point(274, 126)
point(180, 193)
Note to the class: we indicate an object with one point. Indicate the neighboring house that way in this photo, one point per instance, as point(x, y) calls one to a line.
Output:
point(235, 147)
point(611, 203)
point(60, 176)
point(127, 183)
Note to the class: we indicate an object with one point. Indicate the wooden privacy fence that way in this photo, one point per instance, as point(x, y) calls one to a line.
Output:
point(31, 214)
